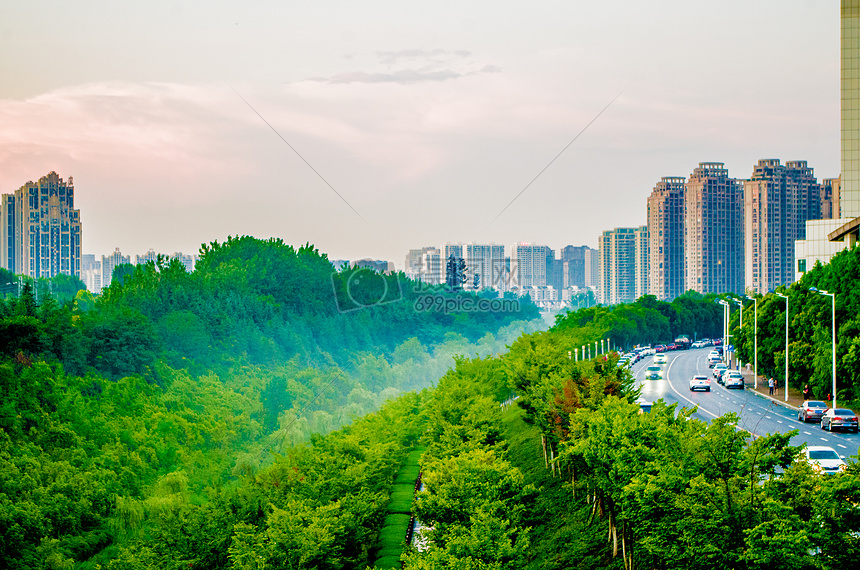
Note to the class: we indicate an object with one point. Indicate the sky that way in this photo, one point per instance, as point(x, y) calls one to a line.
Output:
point(370, 128)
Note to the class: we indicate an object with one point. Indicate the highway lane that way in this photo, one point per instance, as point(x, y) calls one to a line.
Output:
point(757, 415)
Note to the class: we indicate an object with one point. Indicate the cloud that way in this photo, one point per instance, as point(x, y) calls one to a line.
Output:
point(410, 66)
point(390, 57)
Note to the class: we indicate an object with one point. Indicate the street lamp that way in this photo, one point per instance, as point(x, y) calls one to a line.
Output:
point(725, 329)
point(786, 343)
point(833, 315)
point(601, 346)
point(755, 341)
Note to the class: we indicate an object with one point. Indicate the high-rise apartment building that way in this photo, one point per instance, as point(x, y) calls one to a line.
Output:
point(41, 229)
point(532, 264)
point(109, 263)
point(573, 268)
point(666, 238)
point(487, 263)
point(778, 200)
point(713, 221)
point(642, 261)
point(91, 272)
point(591, 268)
point(617, 265)
point(831, 191)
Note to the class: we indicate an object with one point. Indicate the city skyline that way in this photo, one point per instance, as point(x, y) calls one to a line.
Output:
point(427, 125)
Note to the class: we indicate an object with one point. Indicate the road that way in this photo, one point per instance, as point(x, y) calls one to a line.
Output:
point(757, 415)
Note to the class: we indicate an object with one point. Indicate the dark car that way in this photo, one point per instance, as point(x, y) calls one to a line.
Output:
point(840, 418)
point(811, 411)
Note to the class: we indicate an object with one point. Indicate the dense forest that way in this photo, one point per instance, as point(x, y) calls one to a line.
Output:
point(119, 411)
point(266, 411)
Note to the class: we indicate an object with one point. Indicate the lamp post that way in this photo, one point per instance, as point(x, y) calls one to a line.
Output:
point(601, 346)
point(725, 329)
point(755, 341)
point(833, 316)
point(785, 388)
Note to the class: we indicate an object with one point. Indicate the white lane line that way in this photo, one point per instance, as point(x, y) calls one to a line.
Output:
point(842, 446)
point(808, 432)
point(759, 413)
point(779, 421)
point(666, 377)
point(768, 417)
point(823, 439)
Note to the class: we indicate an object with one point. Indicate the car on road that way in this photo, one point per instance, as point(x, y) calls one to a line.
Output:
point(700, 383)
point(660, 359)
point(653, 373)
point(719, 368)
point(840, 418)
point(732, 379)
point(811, 411)
point(698, 344)
point(714, 359)
point(660, 348)
point(824, 459)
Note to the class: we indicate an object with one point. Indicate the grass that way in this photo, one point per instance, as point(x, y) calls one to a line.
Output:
point(390, 544)
point(561, 537)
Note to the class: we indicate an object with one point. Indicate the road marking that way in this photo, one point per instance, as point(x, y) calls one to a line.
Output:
point(808, 432)
point(842, 446)
point(768, 417)
point(779, 421)
point(823, 439)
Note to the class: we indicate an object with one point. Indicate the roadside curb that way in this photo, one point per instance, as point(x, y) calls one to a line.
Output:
point(774, 400)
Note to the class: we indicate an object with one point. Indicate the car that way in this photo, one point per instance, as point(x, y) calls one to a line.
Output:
point(653, 373)
point(660, 359)
point(732, 379)
point(660, 348)
point(718, 342)
point(839, 418)
point(700, 383)
point(811, 410)
point(713, 360)
point(824, 459)
point(671, 346)
point(698, 344)
point(719, 368)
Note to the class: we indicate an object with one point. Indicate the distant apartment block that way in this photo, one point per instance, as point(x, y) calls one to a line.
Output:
point(40, 229)
point(573, 265)
point(642, 261)
point(714, 241)
point(831, 192)
point(778, 200)
point(485, 266)
point(617, 251)
point(591, 268)
point(666, 238)
point(378, 265)
point(91, 272)
point(109, 263)
point(532, 264)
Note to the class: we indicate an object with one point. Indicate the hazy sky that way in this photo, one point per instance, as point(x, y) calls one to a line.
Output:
point(427, 118)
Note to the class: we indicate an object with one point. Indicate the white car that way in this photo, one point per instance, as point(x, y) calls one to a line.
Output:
point(653, 373)
point(660, 358)
point(698, 344)
point(700, 383)
point(733, 379)
point(824, 459)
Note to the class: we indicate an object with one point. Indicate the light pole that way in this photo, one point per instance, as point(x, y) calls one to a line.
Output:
point(725, 329)
point(755, 341)
point(785, 388)
point(601, 346)
point(833, 316)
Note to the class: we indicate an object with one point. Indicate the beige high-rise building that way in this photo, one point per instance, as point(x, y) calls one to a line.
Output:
point(778, 200)
point(831, 191)
point(666, 238)
point(713, 220)
point(41, 229)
